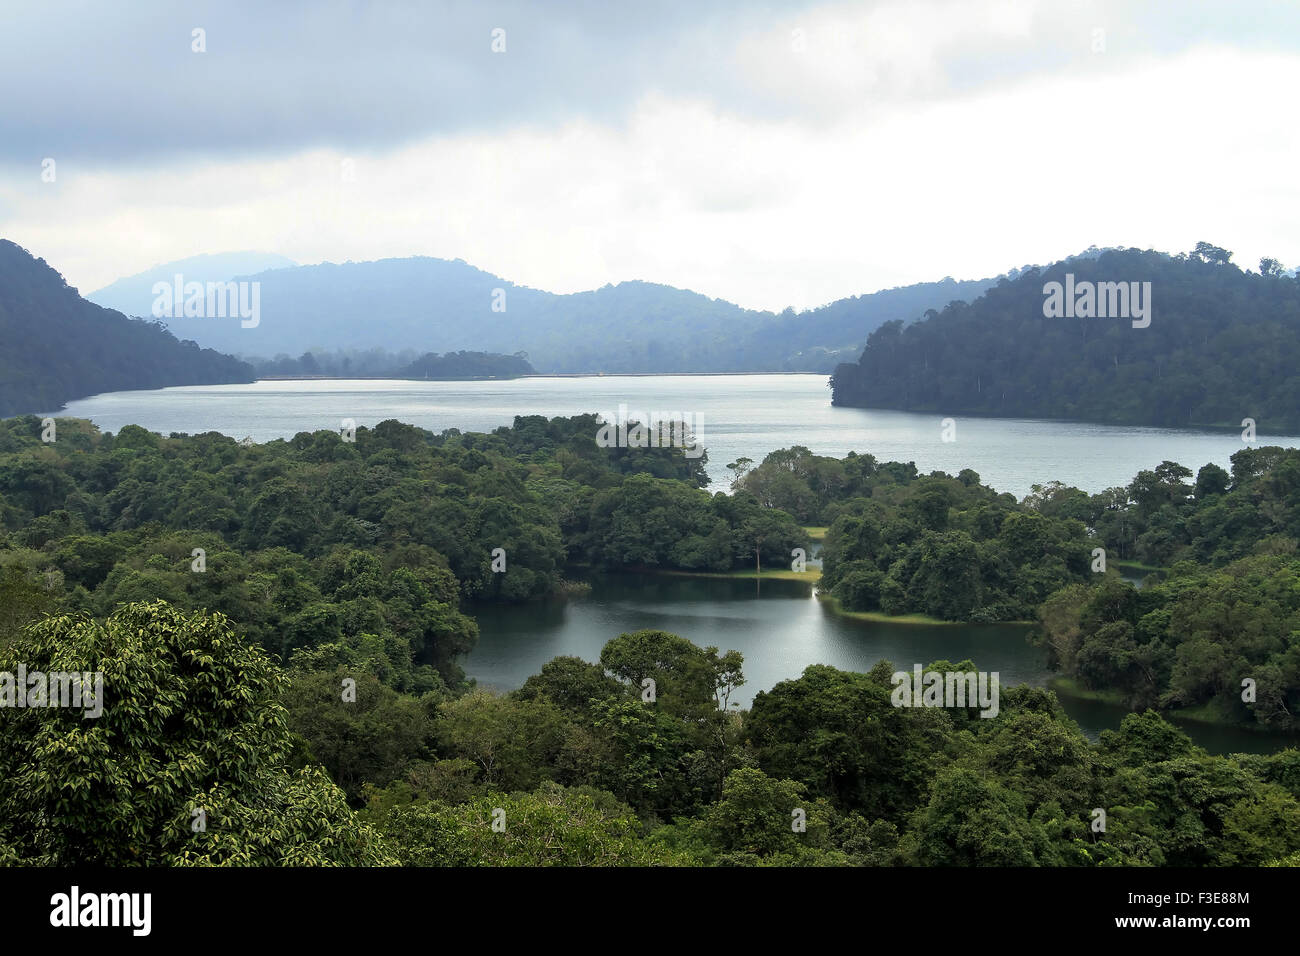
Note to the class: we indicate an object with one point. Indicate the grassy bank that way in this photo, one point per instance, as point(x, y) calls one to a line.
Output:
point(834, 605)
point(812, 575)
point(1138, 566)
point(1070, 687)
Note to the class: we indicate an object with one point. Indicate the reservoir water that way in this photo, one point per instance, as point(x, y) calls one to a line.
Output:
point(780, 628)
point(738, 416)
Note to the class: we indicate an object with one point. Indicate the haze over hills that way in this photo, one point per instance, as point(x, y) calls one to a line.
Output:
point(837, 331)
point(133, 295)
point(440, 305)
point(58, 346)
point(1222, 345)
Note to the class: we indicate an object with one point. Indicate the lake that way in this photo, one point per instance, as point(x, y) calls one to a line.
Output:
point(738, 416)
point(780, 628)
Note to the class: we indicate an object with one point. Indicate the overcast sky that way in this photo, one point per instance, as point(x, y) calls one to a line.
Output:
point(771, 154)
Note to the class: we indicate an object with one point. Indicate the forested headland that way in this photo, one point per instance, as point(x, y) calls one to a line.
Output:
point(58, 346)
point(380, 363)
point(1222, 345)
point(951, 548)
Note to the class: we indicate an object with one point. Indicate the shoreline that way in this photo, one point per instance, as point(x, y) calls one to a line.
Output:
point(1201, 716)
point(880, 617)
point(511, 378)
point(813, 577)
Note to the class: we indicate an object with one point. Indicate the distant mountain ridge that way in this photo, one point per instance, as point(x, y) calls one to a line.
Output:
point(58, 346)
point(440, 305)
point(133, 295)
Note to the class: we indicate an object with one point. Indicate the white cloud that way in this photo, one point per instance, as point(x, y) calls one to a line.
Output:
point(922, 179)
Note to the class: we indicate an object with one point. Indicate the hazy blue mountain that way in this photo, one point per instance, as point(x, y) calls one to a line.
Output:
point(133, 295)
point(58, 346)
point(437, 305)
point(819, 339)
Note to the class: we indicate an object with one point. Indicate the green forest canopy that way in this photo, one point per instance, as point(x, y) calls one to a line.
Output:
point(208, 753)
point(328, 562)
point(335, 552)
point(1222, 345)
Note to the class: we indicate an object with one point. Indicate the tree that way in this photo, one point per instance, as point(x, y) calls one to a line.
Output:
point(571, 683)
point(1271, 267)
point(1261, 828)
point(1211, 480)
point(372, 734)
point(756, 820)
point(739, 468)
point(186, 764)
point(552, 827)
point(23, 598)
point(727, 673)
point(768, 533)
point(642, 760)
point(1214, 255)
point(685, 676)
point(1062, 631)
point(838, 734)
point(974, 821)
point(514, 742)
point(947, 582)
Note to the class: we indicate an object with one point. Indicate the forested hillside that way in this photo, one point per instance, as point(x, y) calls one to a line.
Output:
point(818, 339)
point(1222, 345)
point(305, 605)
point(58, 346)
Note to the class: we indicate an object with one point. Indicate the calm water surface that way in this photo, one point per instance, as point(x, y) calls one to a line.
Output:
point(738, 416)
point(781, 629)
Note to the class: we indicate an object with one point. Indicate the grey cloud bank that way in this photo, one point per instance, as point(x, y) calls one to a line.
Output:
point(121, 83)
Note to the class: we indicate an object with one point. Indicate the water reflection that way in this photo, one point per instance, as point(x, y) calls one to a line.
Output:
point(781, 629)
